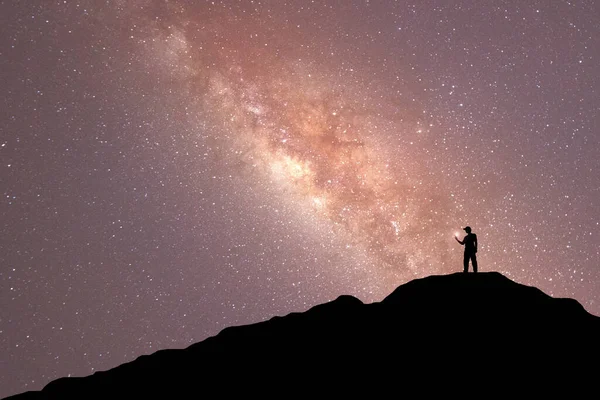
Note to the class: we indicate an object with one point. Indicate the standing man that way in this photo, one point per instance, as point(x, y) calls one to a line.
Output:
point(470, 243)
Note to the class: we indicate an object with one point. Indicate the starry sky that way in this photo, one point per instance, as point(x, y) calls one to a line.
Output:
point(171, 168)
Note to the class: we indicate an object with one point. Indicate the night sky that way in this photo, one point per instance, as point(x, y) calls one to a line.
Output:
point(171, 168)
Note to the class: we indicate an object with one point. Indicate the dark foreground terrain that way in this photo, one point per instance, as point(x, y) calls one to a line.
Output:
point(472, 334)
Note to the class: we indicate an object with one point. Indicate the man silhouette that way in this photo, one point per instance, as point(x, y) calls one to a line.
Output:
point(470, 243)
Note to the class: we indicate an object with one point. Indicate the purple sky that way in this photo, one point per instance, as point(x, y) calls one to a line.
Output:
point(168, 169)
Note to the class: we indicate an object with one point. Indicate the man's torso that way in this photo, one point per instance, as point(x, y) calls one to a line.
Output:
point(469, 241)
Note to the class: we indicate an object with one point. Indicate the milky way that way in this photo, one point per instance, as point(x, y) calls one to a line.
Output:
point(172, 168)
point(316, 133)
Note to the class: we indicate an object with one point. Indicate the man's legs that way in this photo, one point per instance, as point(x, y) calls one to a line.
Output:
point(466, 262)
point(474, 261)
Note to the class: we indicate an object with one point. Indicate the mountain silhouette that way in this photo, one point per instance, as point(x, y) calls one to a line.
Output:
point(482, 333)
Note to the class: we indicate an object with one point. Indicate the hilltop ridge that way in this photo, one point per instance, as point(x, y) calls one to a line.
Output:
point(446, 326)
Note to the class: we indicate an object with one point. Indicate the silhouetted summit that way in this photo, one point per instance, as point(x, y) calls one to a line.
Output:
point(474, 329)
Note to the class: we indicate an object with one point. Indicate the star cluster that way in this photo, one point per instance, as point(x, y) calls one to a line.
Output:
point(170, 168)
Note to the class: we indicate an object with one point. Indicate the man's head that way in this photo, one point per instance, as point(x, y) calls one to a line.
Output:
point(467, 229)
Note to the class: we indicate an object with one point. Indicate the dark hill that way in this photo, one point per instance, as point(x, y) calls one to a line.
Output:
point(473, 331)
